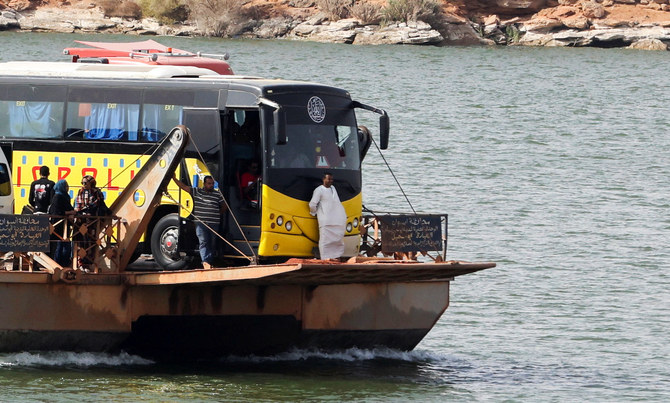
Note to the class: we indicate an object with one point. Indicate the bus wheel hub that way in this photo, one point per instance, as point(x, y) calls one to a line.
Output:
point(169, 241)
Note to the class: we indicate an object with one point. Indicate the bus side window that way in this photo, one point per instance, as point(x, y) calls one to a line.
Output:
point(32, 111)
point(103, 121)
point(34, 119)
point(76, 114)
point(158, 120)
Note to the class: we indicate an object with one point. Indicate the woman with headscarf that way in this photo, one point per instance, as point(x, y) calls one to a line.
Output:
point(61, 209)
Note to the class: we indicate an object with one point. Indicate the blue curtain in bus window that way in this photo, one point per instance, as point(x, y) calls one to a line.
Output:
point(157, 120)
point(112, 122)
point(35, 119)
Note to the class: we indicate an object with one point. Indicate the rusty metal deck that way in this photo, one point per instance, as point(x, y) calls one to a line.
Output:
point(310, 272)
point(298, 272)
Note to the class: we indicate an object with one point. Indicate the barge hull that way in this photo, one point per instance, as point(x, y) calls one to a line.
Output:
point(203, 321)
point(206, 314)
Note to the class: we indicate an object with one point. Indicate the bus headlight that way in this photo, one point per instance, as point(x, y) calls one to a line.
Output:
point(349, 227)
point(289, 225)
point(280, 220)
point(356, 222)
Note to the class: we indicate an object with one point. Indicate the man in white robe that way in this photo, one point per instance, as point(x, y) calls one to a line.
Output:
point(328, 209)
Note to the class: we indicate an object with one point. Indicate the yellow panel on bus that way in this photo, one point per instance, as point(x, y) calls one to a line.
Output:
point(287, 228)
point(112, 172)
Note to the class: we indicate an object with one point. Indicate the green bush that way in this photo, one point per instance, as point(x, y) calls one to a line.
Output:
point(365, 12)
point(411, 10)
point(335, 9)
point(165, 11)
point(218, 17)
point(122, 9)
point(512, 33)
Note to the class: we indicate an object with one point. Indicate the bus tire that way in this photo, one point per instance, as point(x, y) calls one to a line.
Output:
point(164, 239)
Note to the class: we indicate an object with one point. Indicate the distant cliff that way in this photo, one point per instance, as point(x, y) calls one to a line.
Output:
point(643, 24)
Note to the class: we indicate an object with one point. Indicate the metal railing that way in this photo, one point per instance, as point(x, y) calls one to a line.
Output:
point(81, 242)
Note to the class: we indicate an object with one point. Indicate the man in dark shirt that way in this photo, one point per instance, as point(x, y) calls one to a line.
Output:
point(208, 205)
point(41, 191)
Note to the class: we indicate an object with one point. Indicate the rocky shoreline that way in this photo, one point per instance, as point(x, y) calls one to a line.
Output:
point(641, 24)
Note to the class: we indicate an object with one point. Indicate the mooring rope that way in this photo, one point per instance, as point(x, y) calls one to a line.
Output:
point(151, 150)
point(393, 174)
point(251, 259)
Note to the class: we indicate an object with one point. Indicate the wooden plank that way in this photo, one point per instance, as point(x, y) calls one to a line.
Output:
point(211, 275)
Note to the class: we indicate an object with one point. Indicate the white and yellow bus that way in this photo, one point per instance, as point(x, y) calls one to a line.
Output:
point(103, 120)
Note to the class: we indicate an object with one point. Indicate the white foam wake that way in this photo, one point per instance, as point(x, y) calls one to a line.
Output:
point(350, 355)
point(69, 359)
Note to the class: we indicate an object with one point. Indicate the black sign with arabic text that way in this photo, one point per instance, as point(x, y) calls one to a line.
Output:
point(24, 233)
point(411, 233)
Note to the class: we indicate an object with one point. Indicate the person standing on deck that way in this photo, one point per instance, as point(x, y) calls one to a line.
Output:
point(61, 208)
point(88, 202)
point(328, 209)
point(208, 205)
point(41, 191)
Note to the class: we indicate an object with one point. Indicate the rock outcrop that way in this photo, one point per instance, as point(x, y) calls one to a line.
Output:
point(599, 23)
point(351, 31)
point(316, 28)
point(638, 24)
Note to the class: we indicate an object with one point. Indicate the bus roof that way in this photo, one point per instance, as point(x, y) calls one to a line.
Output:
point(158, 75)
point(96, 70)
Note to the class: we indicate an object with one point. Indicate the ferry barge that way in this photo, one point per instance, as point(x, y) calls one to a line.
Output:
point(280, 298)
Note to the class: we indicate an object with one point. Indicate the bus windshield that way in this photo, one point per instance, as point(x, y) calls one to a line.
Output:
point(317, 146)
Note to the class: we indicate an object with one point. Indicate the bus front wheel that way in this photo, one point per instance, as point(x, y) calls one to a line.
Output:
point(164, 242)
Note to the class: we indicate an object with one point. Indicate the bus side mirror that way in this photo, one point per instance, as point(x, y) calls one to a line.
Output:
point(384, 131)
point(280, 126)
point(383, 123)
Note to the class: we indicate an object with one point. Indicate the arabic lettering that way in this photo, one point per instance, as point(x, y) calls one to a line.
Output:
point(411, 233)
point(24, 233)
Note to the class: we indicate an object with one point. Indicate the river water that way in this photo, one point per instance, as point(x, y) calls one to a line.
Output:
point(554, 163)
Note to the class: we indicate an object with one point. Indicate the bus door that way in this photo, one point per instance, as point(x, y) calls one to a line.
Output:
point(205, 144)
point(202, 157)
point(242, 142)
point(6, 188)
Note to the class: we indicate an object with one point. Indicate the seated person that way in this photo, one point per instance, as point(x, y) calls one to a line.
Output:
point(249, 184)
